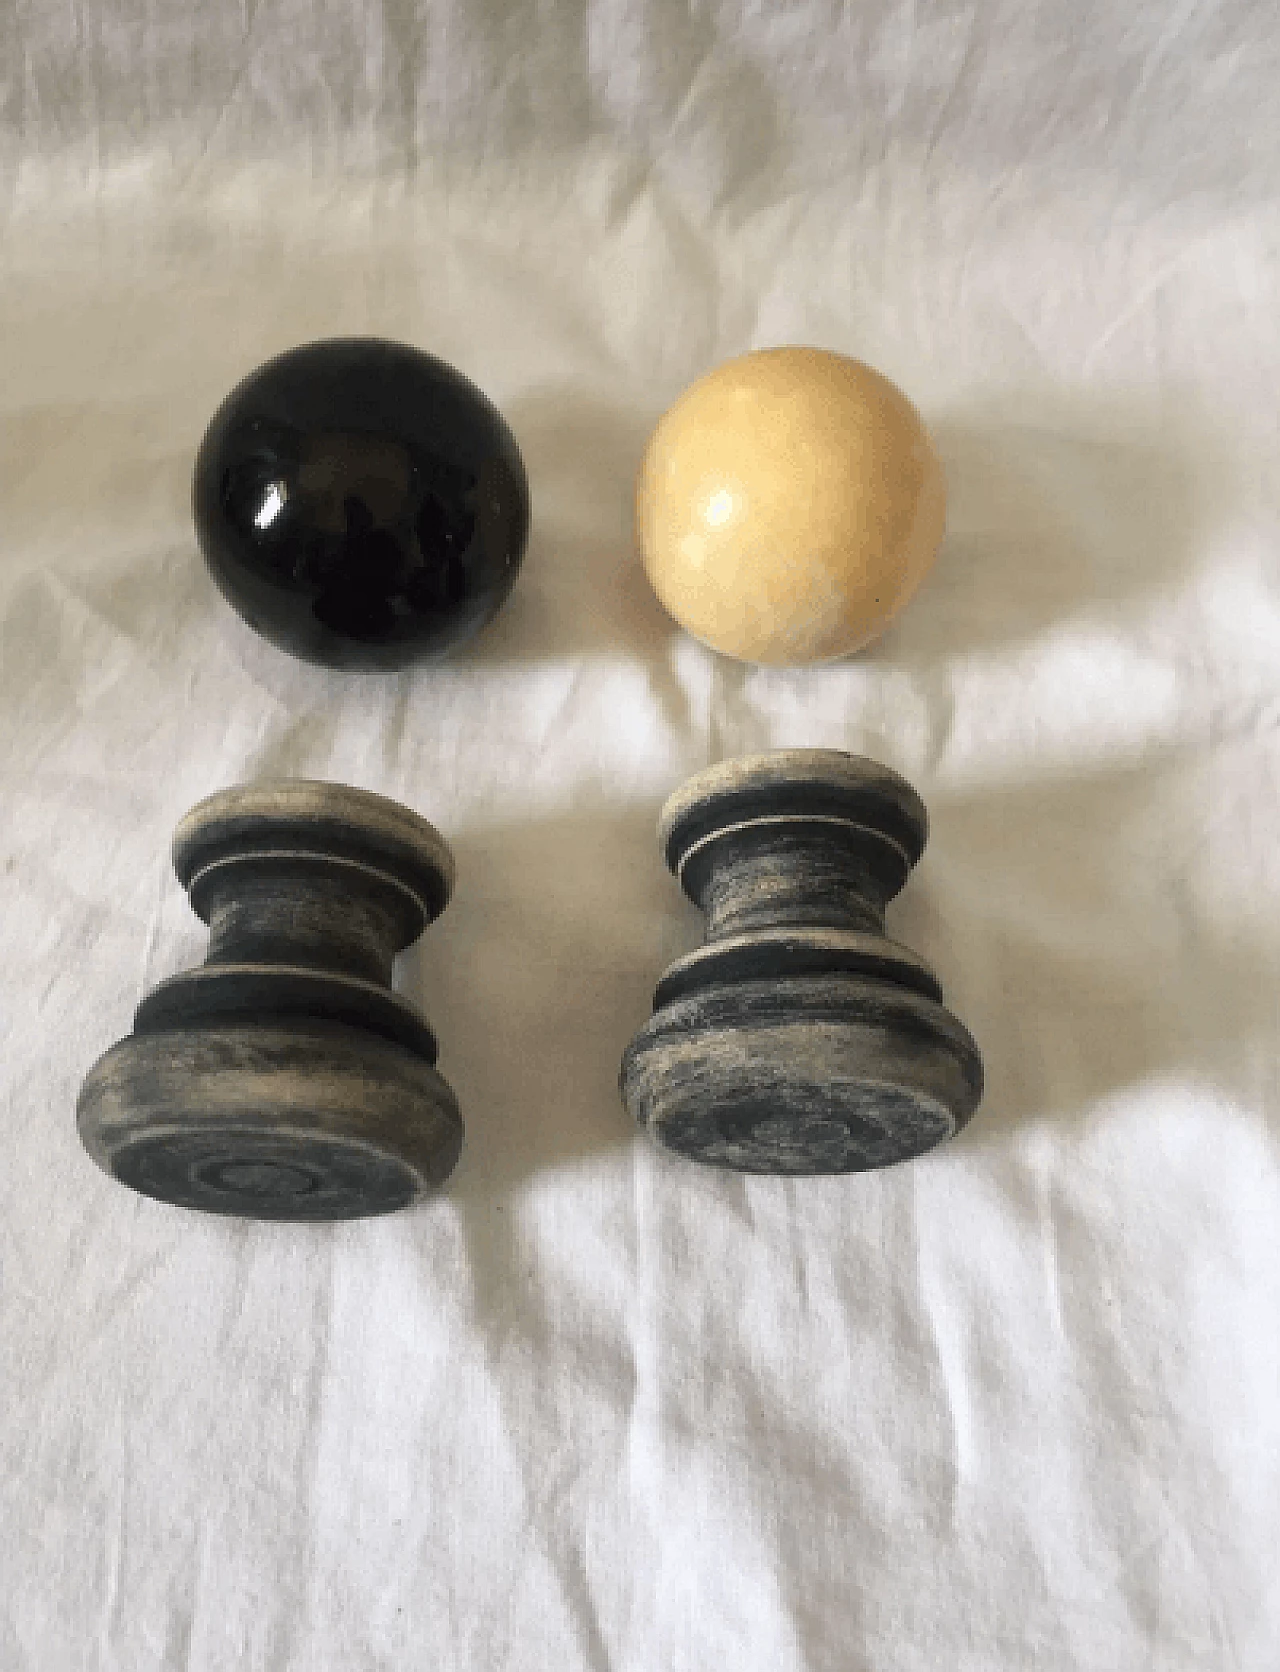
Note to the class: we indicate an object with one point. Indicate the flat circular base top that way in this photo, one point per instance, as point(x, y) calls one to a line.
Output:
point(793, 783)
point(788, 506)
point(310, 816)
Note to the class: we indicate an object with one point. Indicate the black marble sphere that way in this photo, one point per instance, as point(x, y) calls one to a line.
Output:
point(361, 504)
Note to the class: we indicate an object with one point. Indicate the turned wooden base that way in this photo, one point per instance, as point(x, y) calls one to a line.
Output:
point(284, 1079)
point(799, 1039)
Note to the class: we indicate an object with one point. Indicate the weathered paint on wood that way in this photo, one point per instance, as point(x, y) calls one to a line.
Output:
point(284, 1079)
point(799, 1038)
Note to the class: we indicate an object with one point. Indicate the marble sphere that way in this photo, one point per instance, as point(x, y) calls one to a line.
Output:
point(788, 506)
point(361, 504)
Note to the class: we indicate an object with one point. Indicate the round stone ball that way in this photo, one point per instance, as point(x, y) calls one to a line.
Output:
point(361, 504)
point(788, 505)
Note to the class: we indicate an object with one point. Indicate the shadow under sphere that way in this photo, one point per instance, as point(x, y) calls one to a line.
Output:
point(361, 504)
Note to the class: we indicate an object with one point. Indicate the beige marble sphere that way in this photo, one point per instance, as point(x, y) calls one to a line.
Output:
point(788, 505)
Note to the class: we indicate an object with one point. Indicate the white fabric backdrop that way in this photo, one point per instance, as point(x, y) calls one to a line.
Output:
point(1017, 1404)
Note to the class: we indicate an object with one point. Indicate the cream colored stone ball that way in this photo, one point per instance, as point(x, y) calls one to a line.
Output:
point(788, 505)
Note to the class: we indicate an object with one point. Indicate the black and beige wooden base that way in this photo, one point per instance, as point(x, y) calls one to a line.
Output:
point(798, 1039)
point(285, 1079)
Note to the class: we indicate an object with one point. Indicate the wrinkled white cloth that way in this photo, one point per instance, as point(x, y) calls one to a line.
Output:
point(1016, 1404)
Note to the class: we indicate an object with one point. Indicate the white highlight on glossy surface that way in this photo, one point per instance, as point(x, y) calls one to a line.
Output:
point(271, 506)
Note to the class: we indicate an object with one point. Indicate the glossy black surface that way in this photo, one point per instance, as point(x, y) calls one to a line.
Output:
point(361, 504)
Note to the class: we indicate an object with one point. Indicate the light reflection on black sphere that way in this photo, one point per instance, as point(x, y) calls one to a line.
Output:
point(361, 504)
